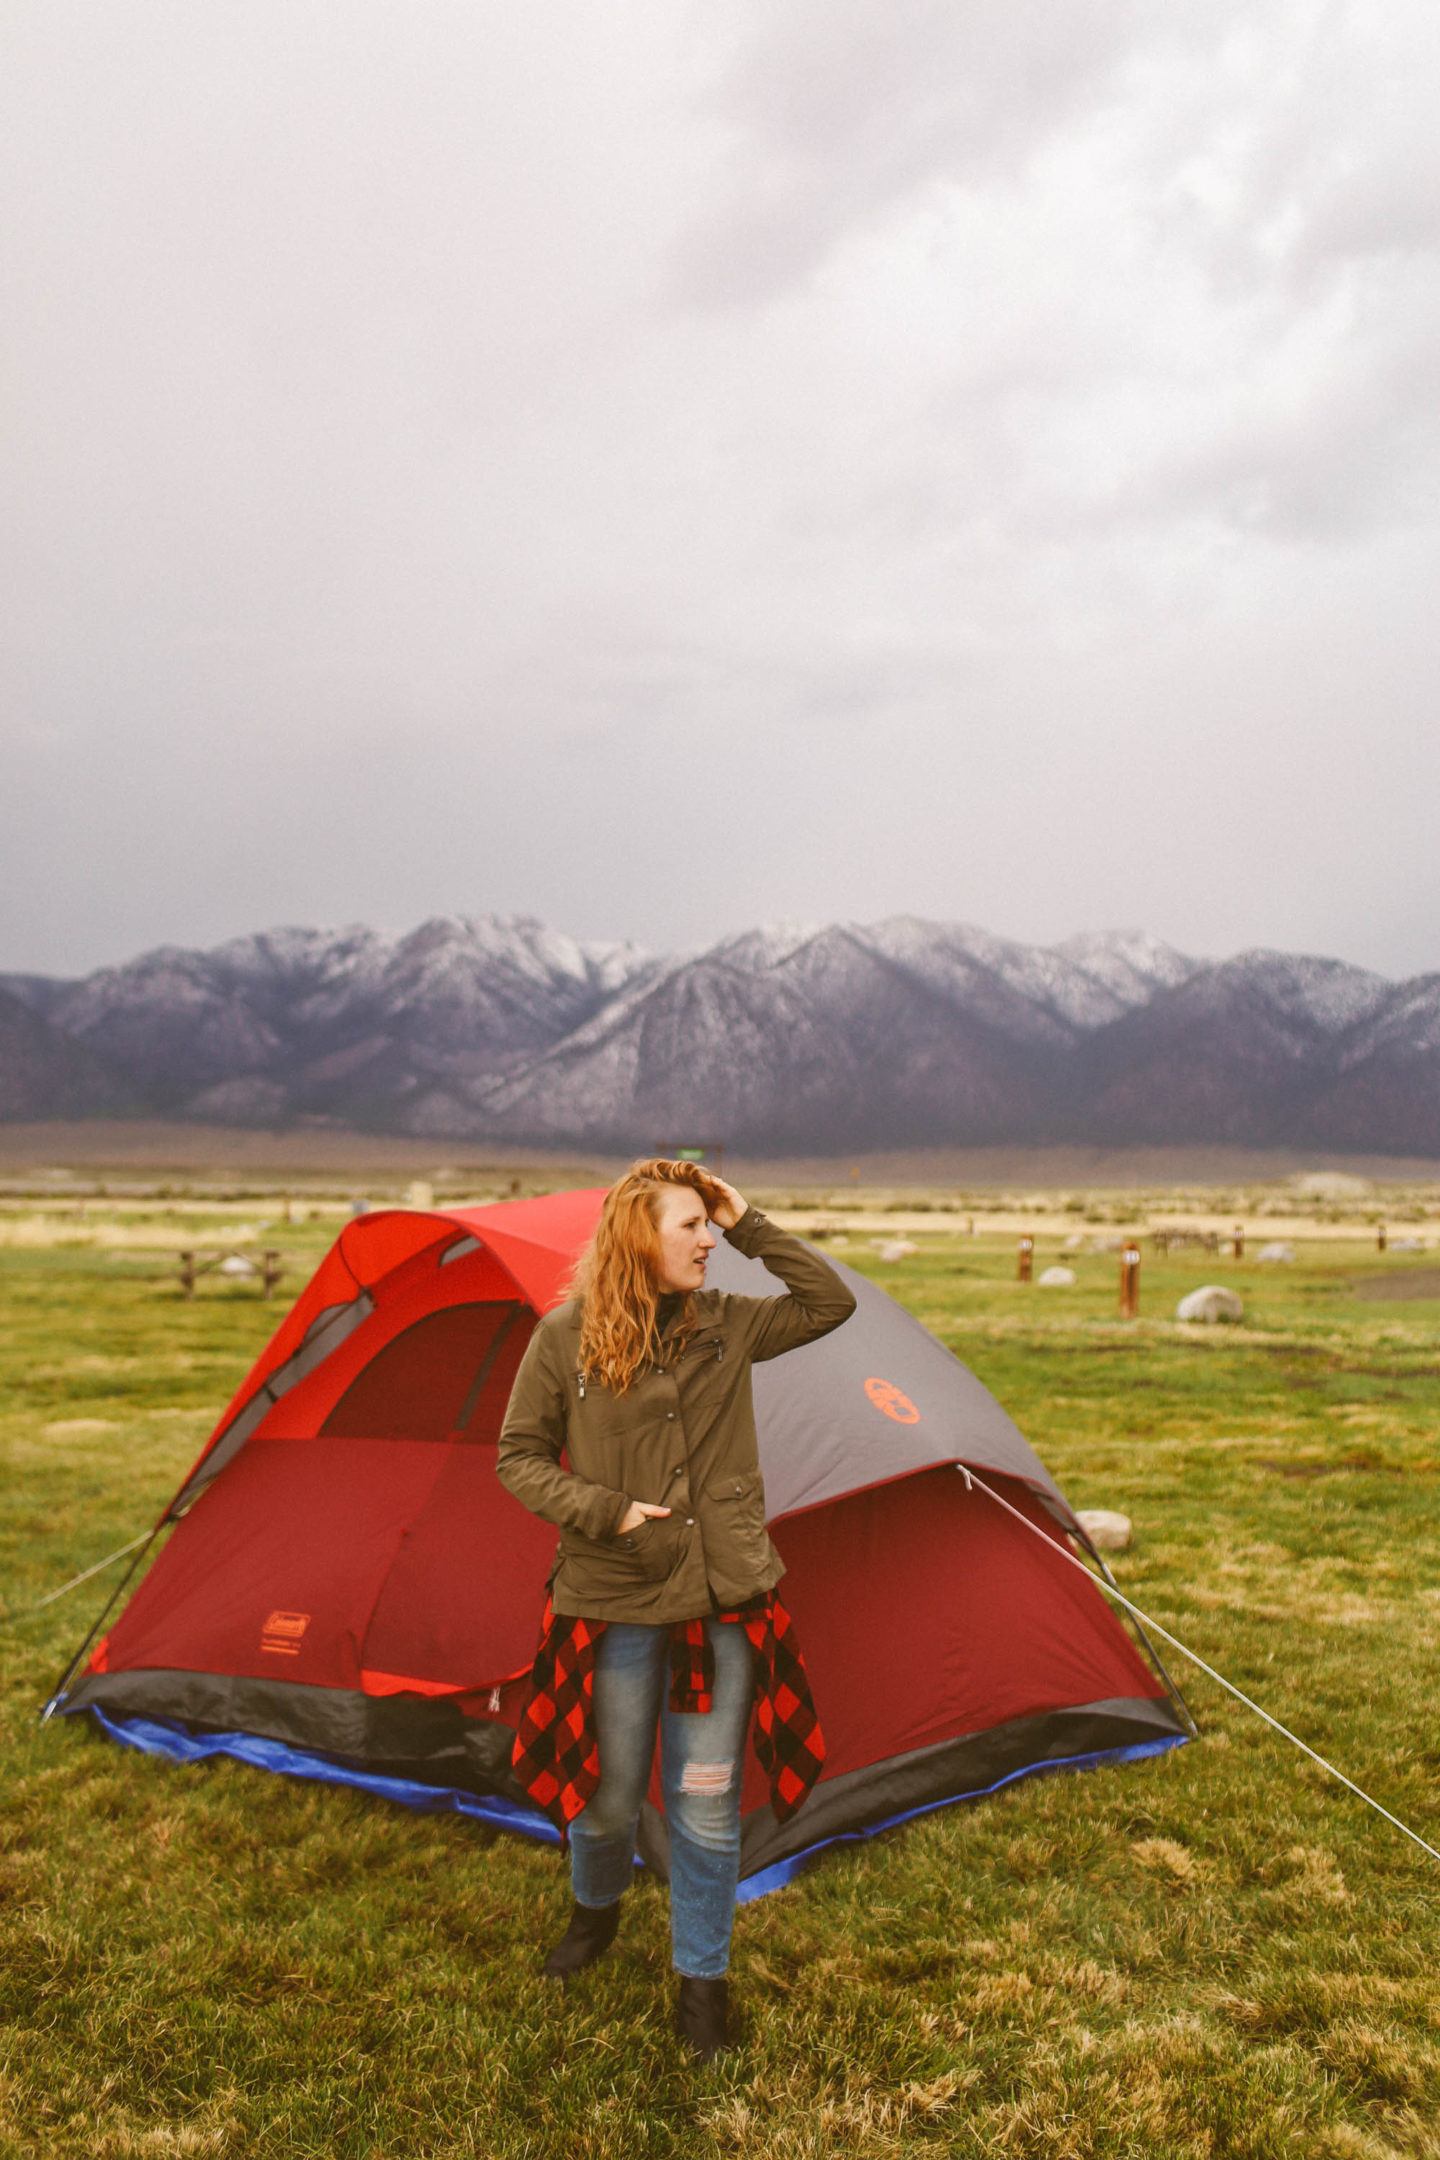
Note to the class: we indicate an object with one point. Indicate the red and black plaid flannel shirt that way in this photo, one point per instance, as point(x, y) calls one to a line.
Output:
point(556, 1756)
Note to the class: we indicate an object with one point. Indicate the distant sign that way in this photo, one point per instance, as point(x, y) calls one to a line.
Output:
point(705, 1151)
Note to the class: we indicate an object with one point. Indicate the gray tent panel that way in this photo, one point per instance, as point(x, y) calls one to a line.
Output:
point(829, 1401)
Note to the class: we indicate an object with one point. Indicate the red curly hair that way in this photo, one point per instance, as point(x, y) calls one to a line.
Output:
point(617, 1277)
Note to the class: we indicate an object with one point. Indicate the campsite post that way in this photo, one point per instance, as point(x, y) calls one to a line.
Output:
point(1026, 1260)
point(1129, 1280)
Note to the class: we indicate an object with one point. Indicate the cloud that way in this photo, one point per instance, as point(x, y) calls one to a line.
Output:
point(832, 124)
point(915, 440)
point(1140, 265)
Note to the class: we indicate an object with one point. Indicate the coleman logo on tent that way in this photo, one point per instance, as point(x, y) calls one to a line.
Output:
point(887, 1397)
point(282, 1632)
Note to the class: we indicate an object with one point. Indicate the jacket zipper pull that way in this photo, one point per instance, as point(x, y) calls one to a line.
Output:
point(581, 1378)
point(719, 1352)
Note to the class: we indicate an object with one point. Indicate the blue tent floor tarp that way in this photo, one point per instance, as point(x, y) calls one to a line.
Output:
point(156, 1736)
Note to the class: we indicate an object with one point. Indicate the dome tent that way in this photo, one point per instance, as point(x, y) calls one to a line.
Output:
point(349, 1593)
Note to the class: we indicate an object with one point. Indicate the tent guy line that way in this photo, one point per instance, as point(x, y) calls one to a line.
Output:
point(144, 1542)
point(970, 1479)
point(1110, 1591)
point(84, 1575)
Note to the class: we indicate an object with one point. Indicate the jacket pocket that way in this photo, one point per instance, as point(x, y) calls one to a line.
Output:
point(735, 1501)
point(705, 1347)
point(709, 1375)
point(609, 1566)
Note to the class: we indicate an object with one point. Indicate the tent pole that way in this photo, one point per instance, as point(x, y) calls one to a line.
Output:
point(1074, 1528)
point(1159, 1663)
point(57, 1693)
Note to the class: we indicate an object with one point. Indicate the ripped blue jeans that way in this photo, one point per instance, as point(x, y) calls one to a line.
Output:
point(700, 1761)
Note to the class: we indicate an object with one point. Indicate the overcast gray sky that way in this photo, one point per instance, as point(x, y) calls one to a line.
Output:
point(666, 467)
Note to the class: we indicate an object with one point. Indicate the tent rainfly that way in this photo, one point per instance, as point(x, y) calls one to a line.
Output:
point(348, 1593)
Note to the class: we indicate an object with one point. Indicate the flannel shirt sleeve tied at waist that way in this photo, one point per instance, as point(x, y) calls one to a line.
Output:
point(556, 1756)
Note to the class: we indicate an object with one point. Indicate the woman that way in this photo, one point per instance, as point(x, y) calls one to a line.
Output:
point(664, 1568)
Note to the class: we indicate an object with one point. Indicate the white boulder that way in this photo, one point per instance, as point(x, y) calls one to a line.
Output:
point(1407, 1244)
point(1276, 1251)
point(1056, 1278)
point(898, 1248)
point(1108, 1530)
point(236, 1264)
point(1211, 1302)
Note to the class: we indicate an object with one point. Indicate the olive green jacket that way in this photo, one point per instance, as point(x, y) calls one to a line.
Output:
point(682, 1436)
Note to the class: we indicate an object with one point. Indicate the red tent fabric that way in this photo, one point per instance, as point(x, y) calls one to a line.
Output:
point(348, 1591)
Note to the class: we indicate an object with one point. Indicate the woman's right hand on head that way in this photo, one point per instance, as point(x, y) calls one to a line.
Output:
point(636, 1513)
point(723, 1204)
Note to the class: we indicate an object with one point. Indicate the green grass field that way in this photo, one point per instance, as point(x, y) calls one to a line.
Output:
point(1219, 1952)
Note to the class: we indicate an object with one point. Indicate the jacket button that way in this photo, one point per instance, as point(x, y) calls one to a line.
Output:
point(689, 1522)
point(670, 1414)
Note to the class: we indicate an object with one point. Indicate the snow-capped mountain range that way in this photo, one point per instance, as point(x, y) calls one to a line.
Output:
point(788, 1038)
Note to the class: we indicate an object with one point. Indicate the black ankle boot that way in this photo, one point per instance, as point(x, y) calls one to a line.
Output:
point(589, 1935)
point(701, 2015)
